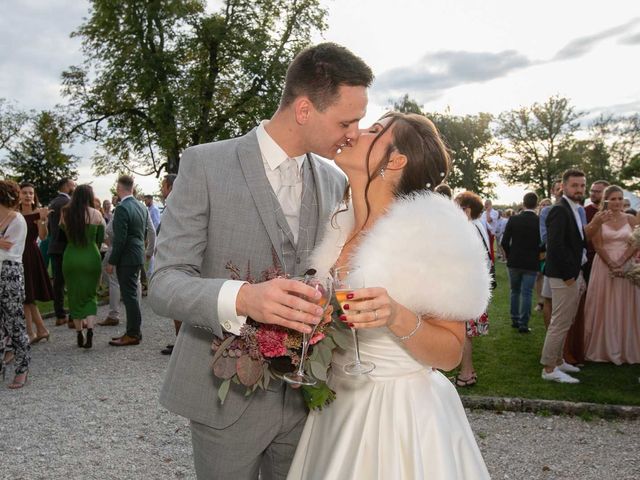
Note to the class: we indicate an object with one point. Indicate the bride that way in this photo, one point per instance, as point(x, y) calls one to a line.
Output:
point(425, 274)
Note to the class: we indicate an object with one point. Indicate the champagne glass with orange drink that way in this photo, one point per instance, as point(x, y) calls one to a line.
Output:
point(346, 280)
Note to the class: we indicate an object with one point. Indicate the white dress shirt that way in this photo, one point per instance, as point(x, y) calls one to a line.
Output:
point(574, 206)
point(273, 156)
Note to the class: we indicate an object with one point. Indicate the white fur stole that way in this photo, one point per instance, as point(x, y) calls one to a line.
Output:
point(424, 251)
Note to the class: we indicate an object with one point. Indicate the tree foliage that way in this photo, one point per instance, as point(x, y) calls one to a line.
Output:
point(471, 144)
point(163, 75)
point(534, 138)
point(39, 156)
point(12, 124)
point(620, 138)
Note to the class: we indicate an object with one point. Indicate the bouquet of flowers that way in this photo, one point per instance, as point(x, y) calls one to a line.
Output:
point(265, 352)
point(633, 273)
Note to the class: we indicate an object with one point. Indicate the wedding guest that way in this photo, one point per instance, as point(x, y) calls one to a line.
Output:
point(84, 227)
point(13, 234)
point(490, 221)
point(36, 278)
point(113, 317)
point(521, 243)
point(153, 211)
point(545, 202)
point(127, 257)
point(503, 218)
point(471, 204)
point(57, 245)
point(165, 191)
point(545, 293)
point(444, 189)
point(106, 211)
point(612, 309)
point(566, 254)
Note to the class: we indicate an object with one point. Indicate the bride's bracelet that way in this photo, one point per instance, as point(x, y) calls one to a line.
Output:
point(413, 332)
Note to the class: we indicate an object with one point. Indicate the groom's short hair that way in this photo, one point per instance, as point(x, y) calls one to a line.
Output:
point(319, 71)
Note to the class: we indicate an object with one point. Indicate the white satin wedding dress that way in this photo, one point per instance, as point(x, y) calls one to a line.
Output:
point(402, 421)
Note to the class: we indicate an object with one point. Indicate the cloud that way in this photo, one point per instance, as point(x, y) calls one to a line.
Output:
point(436, 72)
point(35, 48)
point(633, 39)
point(581, 46)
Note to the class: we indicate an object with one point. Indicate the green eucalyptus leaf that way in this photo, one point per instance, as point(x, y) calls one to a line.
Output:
point(223, 390)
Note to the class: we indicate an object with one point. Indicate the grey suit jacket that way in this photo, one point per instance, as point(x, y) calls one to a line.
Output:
point(221, 211)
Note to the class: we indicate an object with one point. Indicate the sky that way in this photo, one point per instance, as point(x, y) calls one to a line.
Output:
point(467, 56)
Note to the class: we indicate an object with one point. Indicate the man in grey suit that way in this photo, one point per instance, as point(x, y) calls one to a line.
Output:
point(252, 201)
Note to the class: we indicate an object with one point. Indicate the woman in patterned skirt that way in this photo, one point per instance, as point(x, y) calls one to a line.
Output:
point(13, 233)
point(472, 206)
point(37, 284)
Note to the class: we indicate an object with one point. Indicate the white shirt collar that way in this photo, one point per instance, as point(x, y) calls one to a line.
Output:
point(573, 204)
point(65, 194)
point(123, 199)
point(272, 154)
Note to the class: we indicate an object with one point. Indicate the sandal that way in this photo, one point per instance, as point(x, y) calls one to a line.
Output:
point(469, 382)
point(19, 382)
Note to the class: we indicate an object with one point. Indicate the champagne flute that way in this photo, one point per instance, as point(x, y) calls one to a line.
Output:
point(324, 286)
point(346, 280)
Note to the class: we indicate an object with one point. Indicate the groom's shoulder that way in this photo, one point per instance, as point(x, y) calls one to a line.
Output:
point(219, 152)
point(329, 168)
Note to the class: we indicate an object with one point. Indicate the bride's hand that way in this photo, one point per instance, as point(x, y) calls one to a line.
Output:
point(369, 308)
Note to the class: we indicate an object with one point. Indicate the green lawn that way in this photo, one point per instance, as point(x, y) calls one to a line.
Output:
point(507, 363)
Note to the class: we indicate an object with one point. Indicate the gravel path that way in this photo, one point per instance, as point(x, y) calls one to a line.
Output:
point(94, 414)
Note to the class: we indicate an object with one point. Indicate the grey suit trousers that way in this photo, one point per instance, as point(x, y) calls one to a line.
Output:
point(251, 447)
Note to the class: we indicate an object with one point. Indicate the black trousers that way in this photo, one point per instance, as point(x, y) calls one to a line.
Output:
point(128, 281)
point(58, 285)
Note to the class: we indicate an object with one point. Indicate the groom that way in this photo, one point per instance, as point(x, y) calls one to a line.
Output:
point(252, 201)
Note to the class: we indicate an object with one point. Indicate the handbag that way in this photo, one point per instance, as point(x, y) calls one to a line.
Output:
point(492, 268)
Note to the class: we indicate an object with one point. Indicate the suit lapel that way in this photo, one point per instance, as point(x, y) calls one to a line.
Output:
point(572, 216)
point(325, 208)
point(252, 167)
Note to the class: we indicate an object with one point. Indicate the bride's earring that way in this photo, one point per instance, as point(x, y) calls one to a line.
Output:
point(382, 172)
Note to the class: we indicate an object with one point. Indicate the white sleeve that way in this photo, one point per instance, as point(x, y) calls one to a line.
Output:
point(229, 319)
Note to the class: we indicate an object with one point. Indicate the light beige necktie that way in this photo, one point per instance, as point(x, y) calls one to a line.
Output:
point(289, 194)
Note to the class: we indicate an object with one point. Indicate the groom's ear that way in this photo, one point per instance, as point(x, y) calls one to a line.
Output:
point(397, 161)
point(302, 108)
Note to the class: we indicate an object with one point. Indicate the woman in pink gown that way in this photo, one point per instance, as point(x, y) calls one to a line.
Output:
point(612, 308)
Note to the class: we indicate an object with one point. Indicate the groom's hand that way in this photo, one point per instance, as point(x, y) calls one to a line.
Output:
point(280, 302)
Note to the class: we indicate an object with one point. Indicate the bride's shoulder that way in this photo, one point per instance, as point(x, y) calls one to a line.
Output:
point(432, 213)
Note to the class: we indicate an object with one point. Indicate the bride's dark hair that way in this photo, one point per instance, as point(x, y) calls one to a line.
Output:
point(428, 160)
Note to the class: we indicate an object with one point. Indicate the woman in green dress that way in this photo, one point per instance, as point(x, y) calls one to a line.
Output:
point(81, 262)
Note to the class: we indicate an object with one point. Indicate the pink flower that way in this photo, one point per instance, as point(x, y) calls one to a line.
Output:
point(271, 342)
point(316, 338)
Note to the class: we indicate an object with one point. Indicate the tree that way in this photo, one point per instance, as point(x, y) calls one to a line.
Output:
point(39, 157)
point(12, 123)
point(630, 173)
point(620, 136)
point(535, 136)
point(163, 75)
point(592, 157)
point(407, 105)
point(472, 146)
